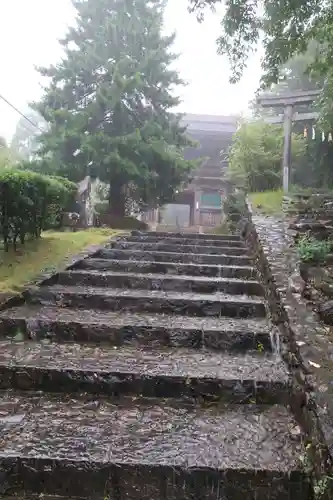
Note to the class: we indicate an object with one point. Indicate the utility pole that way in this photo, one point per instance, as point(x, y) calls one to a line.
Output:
point(288, 100)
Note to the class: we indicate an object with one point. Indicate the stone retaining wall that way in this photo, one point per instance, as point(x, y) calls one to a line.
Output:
point(316, 205)
point(304, 341)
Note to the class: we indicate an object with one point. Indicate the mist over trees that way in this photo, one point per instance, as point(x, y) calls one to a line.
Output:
point(25, 139)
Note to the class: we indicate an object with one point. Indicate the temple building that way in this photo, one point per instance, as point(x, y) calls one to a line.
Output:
point(200, 203)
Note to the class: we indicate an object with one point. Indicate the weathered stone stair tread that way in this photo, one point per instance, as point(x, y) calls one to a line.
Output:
point(195, 236)
point(187, 241)
point(155, 281)
point(31, 496)
point(118, 328)
point(171, 247)
point(149, 300)
point(166, 362)
point(146, 433)
point(158, 276)
point(117, 253)
point(41, 313)
point(162, 372)
point(168, 268)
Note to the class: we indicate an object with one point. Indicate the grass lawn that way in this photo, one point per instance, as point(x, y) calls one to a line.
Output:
point(19, 268)
point(267, 202)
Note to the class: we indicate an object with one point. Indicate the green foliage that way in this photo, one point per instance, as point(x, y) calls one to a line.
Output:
point(109, 104)
point(7, 157)
point(234, 209)
point(234, 204)
point(255, 156)
point(283, 28)
point(29, 203)
point(312, 250)
point(315, 168)
point(102, 207)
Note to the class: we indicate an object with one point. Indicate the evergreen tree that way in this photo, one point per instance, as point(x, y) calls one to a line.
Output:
point(110, 100)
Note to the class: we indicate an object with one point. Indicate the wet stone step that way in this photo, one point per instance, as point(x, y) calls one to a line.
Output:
point(148, 449)
point(78, 325)
point(162, 282)
point(193, 236)
point(35, 496)
point(167, 247)
point(187, 258)
point(160, 372)
point(187, 241)
point(151, 301)
point(172, 268)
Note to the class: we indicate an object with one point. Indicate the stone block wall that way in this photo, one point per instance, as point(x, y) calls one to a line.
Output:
point(301, 340)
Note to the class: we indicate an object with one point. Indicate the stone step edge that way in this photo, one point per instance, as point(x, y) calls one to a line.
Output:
point(180, 241)
point(46, 462)
point(162, 276)
point(54, 367)
point(144, 246)
point(159, 251)
point(218, 267)
point(164, 234)
point(113, 253)
point(164, 282)
point(150, 301)
point(77, 325)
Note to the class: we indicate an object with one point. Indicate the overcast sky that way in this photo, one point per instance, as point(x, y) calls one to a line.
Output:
point(29, 31)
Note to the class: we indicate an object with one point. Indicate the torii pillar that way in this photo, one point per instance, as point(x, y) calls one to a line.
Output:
point(288, 100)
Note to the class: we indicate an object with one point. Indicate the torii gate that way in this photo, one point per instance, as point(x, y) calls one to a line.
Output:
point(288, 100)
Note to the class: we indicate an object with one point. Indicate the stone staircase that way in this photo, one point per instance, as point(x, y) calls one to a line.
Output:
point(147, 372)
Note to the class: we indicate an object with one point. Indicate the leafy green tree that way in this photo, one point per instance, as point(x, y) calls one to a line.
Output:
point(256, 156)
point(109, 104)
point(284, 28)
point(294, 76)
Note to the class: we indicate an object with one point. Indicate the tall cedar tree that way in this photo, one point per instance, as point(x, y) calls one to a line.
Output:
point(110, 101)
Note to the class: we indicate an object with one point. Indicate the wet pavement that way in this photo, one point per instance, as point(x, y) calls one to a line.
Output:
point(149, 374)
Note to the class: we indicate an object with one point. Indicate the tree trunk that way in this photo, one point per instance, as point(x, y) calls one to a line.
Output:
point(117, 200)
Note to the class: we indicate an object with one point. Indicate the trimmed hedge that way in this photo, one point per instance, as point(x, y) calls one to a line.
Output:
point(29, 203)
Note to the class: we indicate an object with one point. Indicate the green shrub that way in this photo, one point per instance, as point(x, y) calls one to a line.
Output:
point(234, 205)
point(59, 205)
point(28, 203)
point(102, 207)
point(311, 250)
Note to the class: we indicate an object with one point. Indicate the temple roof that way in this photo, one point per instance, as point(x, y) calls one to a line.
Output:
point(210, 124)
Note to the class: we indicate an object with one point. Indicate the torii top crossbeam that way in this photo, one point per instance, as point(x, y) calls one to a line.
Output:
point(288, 100)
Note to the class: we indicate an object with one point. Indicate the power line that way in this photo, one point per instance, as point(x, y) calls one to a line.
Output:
point(19, 112)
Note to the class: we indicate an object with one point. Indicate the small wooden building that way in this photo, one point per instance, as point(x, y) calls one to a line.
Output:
point(200, 203)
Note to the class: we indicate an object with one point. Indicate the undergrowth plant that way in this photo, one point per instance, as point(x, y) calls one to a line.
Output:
point(312, 250)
